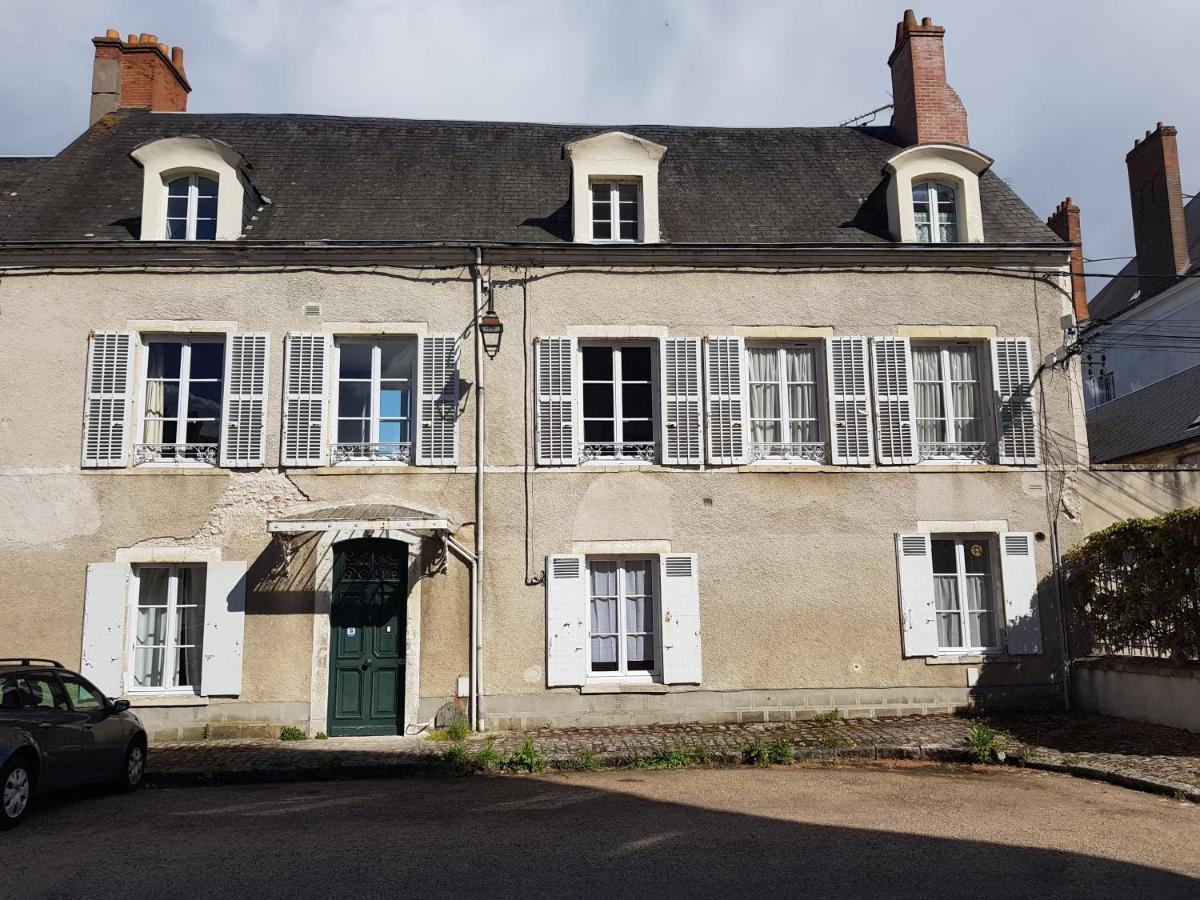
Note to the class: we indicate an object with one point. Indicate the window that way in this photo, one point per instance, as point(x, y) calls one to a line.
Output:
point(42, 692)
point(935, 212)
point(169, 627)
point(181, 412)
point(785, 403)
point(621, 599)
point(374, 401)
point(1104, 387)
point(618, 402)
point(964, 590)
point(948, 402)
point(616, 211)
point(191, 209)
point(83, 697)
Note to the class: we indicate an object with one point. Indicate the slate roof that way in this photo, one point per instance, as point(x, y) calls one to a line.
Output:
point(1121, 294)
point(15, 171)
point(350, 179)
point(1159, 415)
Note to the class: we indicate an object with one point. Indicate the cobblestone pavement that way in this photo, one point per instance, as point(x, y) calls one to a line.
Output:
point(1144, 756)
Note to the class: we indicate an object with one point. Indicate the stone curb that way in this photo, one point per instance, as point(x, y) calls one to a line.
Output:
point(1144, 783)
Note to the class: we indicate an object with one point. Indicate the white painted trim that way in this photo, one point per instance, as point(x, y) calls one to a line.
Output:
point(181, 326)
point(617, 156)
point(960, 167)
point(171, 157)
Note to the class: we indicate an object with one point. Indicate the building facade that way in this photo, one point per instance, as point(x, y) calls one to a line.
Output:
point(767, 431)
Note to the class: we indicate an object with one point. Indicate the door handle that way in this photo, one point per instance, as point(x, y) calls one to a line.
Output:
point(366, 664)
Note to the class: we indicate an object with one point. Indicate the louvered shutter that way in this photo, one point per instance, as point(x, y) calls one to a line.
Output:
point(437, 381)
point(849, 401)
point(107, 399)
point(566, 620)
point(1018, 577)
point(725, 380)
point(555, 378)
point(224, 627)
point(1012, 373)
point(104, 608)
point(894, 424)
point(682, 432)
point(305, 399)
point(243, 433)
point(681, 619)
point(914, 560)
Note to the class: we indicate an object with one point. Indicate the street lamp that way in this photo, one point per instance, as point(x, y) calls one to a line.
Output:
point(491, 329)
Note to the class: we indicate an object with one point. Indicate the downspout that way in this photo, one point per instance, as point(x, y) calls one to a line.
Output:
point(472, 564)
point(480, 451)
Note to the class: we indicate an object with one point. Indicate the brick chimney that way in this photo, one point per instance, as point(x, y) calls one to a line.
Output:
point(1156, 195)
point(137, 73)
point(1065, 223)
point(925, 110)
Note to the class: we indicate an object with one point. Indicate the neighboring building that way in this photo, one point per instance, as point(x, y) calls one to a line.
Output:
point(763, 436)
point(1142, 343)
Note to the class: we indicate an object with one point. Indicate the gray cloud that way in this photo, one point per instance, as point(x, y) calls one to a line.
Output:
point(1056, 92)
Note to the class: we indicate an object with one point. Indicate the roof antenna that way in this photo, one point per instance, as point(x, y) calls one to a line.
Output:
point(869, 116)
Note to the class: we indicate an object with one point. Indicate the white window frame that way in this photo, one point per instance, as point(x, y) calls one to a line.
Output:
point(807, 456)
point(614, 209)
point(655, 451)
point(982, 361)
point(171, 649)
point(336, 457)
point(622, 674)
point(931, 207)
point(999, 615)
point(179, 460)
point(193, 206)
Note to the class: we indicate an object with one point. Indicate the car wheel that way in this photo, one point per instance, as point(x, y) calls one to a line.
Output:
point(133, 767)
point(16, 791)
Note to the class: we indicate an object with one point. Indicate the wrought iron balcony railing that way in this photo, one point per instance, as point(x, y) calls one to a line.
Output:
point(957, 451)
point(642, 451)
point(399, 453)
point(204, 454)
point(789, 451)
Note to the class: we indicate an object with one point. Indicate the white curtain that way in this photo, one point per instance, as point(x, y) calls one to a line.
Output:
point(802, 393)
point(189, 627)
point(764, 395)
point(927, 395)
point(150, 638)
point(949, 618)
point(964, 379)
point(604, 615)
point(980, 603)
point(639, 621)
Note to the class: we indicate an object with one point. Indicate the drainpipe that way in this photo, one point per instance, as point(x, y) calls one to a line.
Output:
point(480, 452)
point(1064, 636)
point(472, 564)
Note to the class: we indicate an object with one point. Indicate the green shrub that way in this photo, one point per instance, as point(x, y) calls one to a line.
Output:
point(757, 753)
point(833, 717)
point(291, 733)
point(458, 730)
point(985, 742)
point(672, 758)
point(457, 759)
point(488, 758)
point(321, 736)
point(527, 758)
point(780, 751)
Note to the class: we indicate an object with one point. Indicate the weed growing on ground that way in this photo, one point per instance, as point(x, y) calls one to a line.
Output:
point(757, 753)
point(585, 761)
point(488, 758)
point(780, 751)
point(320, 736)
point(836, 742)
point(1072, 760)
point(456, 759)
point(291, 733)
point(985, 742)
point(673, 758)
point(204, 732)
point(833, 717)
point(527, 758)
point(458, 729)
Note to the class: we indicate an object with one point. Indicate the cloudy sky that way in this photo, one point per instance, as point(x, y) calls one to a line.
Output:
point(1055, 91)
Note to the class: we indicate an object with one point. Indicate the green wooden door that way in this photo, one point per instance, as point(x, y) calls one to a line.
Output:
point(366, 642)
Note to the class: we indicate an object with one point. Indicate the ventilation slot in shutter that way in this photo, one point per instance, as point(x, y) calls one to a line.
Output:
point(678, 566)
point(1016, 545)
point(565, 567)
point(912, 545)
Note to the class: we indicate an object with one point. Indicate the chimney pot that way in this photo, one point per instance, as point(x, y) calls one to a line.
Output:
point(112, 34)
point(177, 57)
point(910, 19)
point(132, 40)
point(926, 22)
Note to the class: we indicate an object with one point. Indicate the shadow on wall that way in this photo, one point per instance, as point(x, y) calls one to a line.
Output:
point(280, 581)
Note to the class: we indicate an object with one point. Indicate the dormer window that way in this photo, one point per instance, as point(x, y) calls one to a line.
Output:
point(935, 213)
point(616, 211)
point(191, 209)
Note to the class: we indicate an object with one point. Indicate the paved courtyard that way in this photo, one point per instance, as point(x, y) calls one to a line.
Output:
point(894, 829)
point(1138, 755)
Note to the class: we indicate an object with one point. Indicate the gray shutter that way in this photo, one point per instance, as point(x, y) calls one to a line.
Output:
point(894, 422)
point(1018, 576)
point(725, 379)
point(107, 399)
point(243, 431)
point(555, 385)
point(681, 619)
point(224, 628)
point(914, 561)
point(849, 401)
point(682, 432)
point(104, 610)
point(1012, 374)
point(437, 382)
point(566, 620)
point(305, 399)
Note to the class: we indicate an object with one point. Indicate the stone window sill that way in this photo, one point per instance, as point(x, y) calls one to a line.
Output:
point(167, 699)
point(624, 689)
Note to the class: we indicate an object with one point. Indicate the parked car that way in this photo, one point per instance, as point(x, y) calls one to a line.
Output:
point(57, 730)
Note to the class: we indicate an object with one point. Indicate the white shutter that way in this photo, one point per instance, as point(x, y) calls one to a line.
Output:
point(894, 423)
point(682, 432)
point(107, 399)
point(1018, 576)
point(1016, 420)
point(304, 403)
point(566, 620)
point(849, 401)
point(725, 380)
point(243, 431)
point(224, 626)
point(555, 385)
point(437, 416)
point(914, 560)
point(104, 610)
point(681, 618)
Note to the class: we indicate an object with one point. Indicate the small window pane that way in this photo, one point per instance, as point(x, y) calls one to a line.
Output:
point(176, 230)
point(393, 400)
point(179, 187)
point(602, 230)
point(204, 400)
point(355, 360)
point(635, 363)
point(207, 357)
point(354, 399)
point(636, 401)
point(148, 663)
point(396, 358)
point(392, 432)
point(637, 431)
point(599, 432)
point(206, 187)
point(944, 559)
point(164, 359)
point(627, 193)
point(151, 626)
point(177, 207)
point(920, 193)
point(978, 557)
point(206, 208)
point(206, 230)
point(604, 653)
point(597, 363)
point(204, 432)
point(353, 431)
point(597, 401)
point(629, 230)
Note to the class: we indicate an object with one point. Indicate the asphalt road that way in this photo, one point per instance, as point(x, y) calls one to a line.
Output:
point(896, 831)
